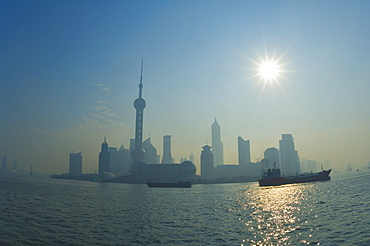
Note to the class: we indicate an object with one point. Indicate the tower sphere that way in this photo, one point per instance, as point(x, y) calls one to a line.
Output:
point(139, 103)
point(138, 154)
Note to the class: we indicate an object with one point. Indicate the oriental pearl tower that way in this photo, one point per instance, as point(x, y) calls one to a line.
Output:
point(138, 153)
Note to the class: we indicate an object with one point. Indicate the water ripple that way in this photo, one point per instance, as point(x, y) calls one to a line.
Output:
point(44, 211)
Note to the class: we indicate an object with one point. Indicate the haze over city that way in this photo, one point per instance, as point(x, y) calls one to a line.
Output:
point(70, 72)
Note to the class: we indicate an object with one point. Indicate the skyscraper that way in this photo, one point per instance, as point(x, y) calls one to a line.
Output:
point(118, 160)
point(206, 163)
point(167, 156)
point(244, 151)
point(272, 157)
point(217, 145)
point(191, 157)
point(151, 156)
point(104, 158)
point(289, 160)
point(138, 152)
point(75, 163)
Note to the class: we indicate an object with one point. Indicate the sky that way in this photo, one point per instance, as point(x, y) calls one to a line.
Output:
point(69, 73)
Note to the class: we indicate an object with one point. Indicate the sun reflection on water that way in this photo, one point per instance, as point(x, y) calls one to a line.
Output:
point(275, 216)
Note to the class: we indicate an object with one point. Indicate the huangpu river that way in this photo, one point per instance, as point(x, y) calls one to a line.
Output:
point(39, 210)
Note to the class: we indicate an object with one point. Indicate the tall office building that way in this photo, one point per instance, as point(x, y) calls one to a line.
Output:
point(271, 156)
point(244, 151)
point(75, 163)
point(217, 145)
point(289, 160)
point(191, 157)
point(151, 156)
point(118, 160)
point(138, 153)
point(131, 148)
point(124, 155)
point(206, 163)
point(167, 156)
point(297, 162)
point(104, 158)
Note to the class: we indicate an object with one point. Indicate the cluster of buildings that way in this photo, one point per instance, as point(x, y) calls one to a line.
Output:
point(285, 158)
point(141, 163)
point(6, 168)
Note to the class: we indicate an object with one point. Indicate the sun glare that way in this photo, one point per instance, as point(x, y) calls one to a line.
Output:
point(269, 70)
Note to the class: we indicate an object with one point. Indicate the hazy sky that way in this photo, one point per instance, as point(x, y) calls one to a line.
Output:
point(69, 73)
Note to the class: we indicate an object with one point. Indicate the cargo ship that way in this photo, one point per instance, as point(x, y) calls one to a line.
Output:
point(170, 185)
point(273, 177)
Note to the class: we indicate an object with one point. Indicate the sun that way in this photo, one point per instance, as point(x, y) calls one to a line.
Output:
point(269, 70)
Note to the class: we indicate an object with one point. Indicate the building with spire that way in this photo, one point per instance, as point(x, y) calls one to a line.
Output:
point(104, 158)
point(142, 172)
point(138, 153)
point(217, 145)
point(167, 156)
point(244, 151)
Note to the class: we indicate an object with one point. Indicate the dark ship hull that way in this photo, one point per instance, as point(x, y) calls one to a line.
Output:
point(303, 178)
point(170, 185)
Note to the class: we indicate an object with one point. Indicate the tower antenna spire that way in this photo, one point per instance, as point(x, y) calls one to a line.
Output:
point(141, 79)
point(138, 152)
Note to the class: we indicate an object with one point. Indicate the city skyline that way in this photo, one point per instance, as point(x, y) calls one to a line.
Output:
point(69, 74)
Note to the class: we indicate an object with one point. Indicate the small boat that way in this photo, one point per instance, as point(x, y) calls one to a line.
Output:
point(273, 177)
point(180, 184)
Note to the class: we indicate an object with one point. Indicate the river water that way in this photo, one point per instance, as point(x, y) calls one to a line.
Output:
point(38, 210)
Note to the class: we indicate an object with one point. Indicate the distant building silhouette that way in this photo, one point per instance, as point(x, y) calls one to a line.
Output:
point(75, 163)
point(140, 170)
point(297, 162)
point(104, 159)
point(131, 148)
point(206, 163)
point(3, 163)
point(289, 160)
point(244, 151)
point(217, 145)
point(167, 156)
point(118, 160)
point(271, 156)
point(15, 166)
point(151, 156)
point(138, 153)
point(191, 157)
point(309, 166)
